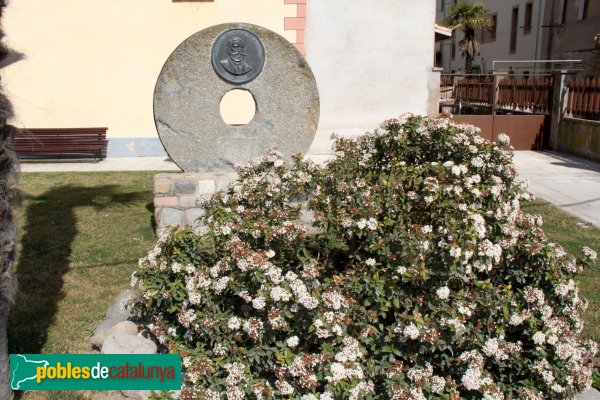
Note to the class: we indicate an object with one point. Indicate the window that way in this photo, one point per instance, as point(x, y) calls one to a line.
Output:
point(528, 17)
point(488, 35)
point(514, 23)
point(563, 9)
point(582, 13)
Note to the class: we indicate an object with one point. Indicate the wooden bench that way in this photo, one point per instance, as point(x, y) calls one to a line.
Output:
point(57, 142)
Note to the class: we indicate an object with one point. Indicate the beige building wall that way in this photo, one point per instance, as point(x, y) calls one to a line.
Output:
point(95, 62)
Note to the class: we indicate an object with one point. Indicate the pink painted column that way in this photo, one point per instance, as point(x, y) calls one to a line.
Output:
point(297, 23)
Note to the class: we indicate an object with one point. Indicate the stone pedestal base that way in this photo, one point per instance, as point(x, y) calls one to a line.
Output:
point(178, 196)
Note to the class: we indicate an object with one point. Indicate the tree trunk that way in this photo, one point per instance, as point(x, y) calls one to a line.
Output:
point(5, 392)
point(470, 49)
point(8, 233)
point(468, 64)
point(8, 238)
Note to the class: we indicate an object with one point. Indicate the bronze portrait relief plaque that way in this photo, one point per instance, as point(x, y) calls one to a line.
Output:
point(237, 56)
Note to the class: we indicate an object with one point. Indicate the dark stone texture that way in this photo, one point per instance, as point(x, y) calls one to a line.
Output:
point(184, 186)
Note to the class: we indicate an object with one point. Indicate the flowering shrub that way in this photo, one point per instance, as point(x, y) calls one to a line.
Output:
point(421, 279)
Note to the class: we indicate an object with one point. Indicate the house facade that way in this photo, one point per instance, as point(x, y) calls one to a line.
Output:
point(568, 33)
point(94, 63)
point(526, 30)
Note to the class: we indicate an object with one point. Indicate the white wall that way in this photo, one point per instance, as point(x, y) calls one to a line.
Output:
point(372, 61)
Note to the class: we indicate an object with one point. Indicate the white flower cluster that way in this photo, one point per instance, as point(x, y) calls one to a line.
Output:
point(499, 350)
point(589, 253)
point(339, 372)
point(350, 352)
point(370, 223)
point(411, 331)
point(433, 250)
point(474, 377)
point(292, 341)
point(503, 139)
point(334, 300)
point(443, 292)
point(302, 296)
point(236, 373)
point(278, 294)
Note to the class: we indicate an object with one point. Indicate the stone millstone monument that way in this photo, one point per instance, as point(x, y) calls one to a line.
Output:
point(187, 97)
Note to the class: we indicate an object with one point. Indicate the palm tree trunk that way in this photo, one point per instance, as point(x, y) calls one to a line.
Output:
point(5, 392)
point(468, 64)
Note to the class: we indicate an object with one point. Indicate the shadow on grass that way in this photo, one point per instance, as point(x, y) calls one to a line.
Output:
point(49, 229)
point(150, 207)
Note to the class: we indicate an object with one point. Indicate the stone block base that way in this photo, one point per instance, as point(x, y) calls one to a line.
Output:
point(178, 196)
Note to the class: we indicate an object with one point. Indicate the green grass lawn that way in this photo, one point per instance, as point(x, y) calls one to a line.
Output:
point(81, 235)
point(562, 228)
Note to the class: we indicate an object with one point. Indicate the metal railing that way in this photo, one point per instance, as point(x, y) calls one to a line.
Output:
point(583, 99)
point(489, 93)
point(529, 95)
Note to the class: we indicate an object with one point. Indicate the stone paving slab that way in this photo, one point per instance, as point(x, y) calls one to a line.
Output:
point(591, 394)
point(108, 164)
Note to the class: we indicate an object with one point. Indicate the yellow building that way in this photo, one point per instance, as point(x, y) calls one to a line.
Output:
point(94, 63)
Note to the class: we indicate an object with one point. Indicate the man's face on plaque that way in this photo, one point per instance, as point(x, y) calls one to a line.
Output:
point(236, 50)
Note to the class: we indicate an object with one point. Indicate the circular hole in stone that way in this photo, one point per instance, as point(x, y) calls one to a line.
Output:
point(237, 107)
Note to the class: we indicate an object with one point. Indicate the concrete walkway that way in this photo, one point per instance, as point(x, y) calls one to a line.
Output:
point(570, 183)
point(108, 164)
